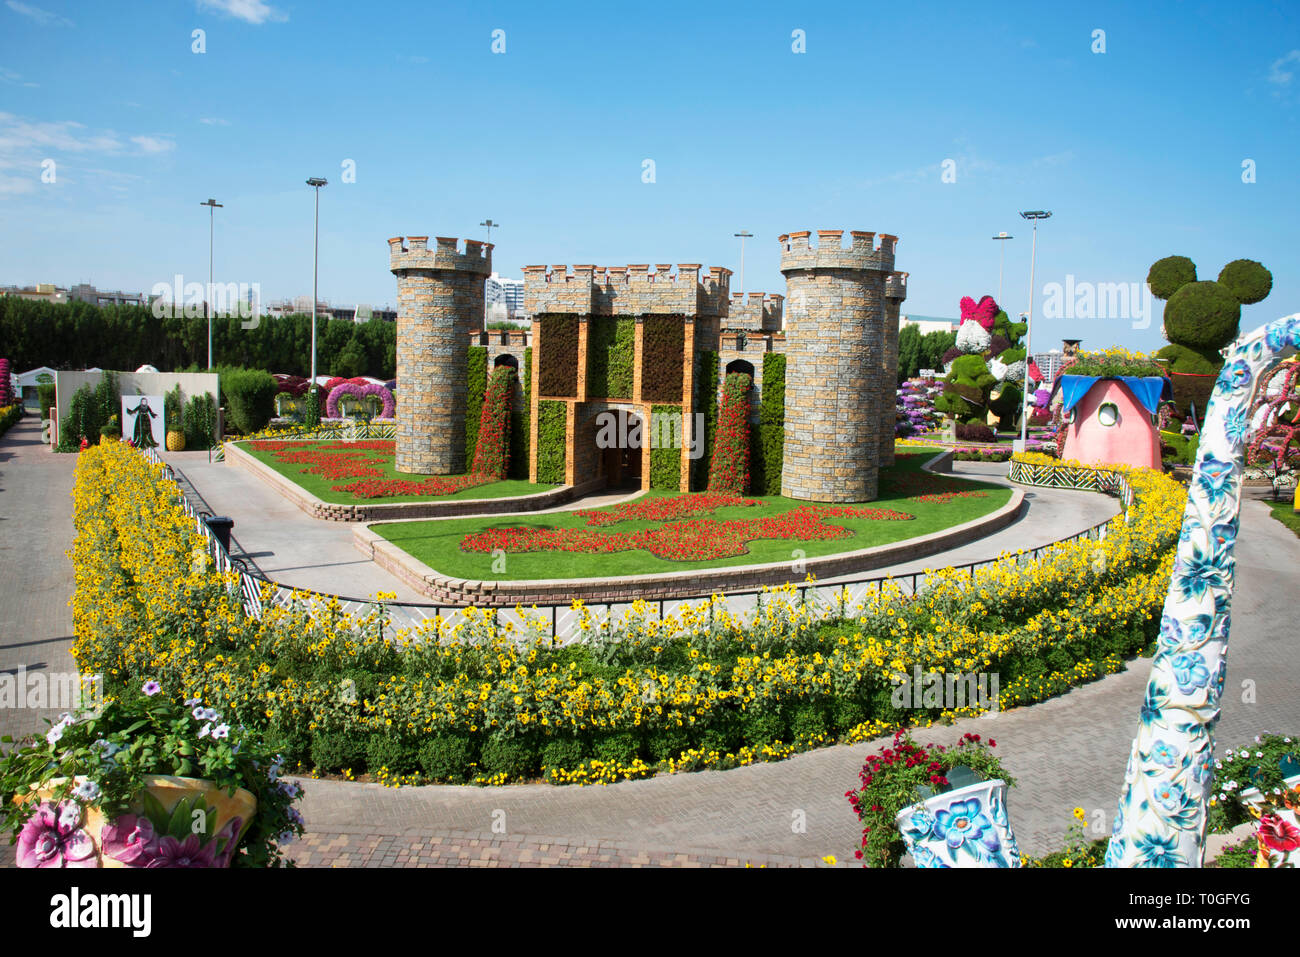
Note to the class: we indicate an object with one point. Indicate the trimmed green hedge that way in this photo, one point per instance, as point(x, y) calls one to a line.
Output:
point(610, 347)
point(250, 398)
point(767, 443)
point(550, 442)
point(665, 463)
point(558, 375)
point(476, 377)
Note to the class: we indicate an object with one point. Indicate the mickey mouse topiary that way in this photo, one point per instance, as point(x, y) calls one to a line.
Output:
point(1201, 318)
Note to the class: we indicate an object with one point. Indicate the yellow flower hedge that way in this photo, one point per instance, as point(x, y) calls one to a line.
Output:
point(474, 701)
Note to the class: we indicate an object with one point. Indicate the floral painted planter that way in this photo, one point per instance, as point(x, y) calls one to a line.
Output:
point(177, 822)
point(967, 827)
point(1278, 834)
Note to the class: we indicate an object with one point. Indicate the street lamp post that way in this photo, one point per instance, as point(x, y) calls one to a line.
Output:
point(1002, 256)
point(213, 206)
point(489, 224)
point(742, 236)
point(1033, 215)
point(315, 182)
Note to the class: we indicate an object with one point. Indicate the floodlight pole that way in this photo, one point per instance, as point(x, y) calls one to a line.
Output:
point(315, 182)
point(213, 206)
point(1034, 216)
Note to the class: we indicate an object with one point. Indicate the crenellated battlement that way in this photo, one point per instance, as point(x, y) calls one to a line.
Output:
point(627, 290)
point(413, 252)
point(761, 312)
point(896, 286)
point(798, 252)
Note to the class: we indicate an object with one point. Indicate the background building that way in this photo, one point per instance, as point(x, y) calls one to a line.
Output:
point(926, 324)
point(85, 292)
point(41, 292)
point(507, 294)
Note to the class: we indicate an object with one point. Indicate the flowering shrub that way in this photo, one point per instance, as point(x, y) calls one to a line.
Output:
point(473, 698)
point(492, 452)
point(892, 779)
point(362, 392)
point(681, 541)
point(1081, 849)
point(729, 471)
point(9, 414)
point(1264, 766)
point(6, 385)
point(100, 761)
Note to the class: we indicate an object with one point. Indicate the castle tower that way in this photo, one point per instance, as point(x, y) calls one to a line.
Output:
point(835, 318)
point(439, 300)
point(895, 293)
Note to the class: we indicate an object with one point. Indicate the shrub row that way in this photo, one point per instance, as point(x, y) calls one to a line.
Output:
point(663, 338)
point(476, 377)
point(665, 462)
point(471, 701)
point(559, 360)
point(610, 347)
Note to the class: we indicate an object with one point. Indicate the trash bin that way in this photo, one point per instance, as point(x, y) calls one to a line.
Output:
point(220, 526)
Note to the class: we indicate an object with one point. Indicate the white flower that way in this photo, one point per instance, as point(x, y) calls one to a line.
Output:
point(191, 702)
point(200, 714)
point(973, 338)
point(205, 731)
point(286, 837)
point(54, 734)
point(221, 731)
point(1259, 754)
point(211, 715)
point(87, 791)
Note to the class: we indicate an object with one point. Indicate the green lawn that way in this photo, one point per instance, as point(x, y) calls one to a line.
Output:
point(437, 542)
point(1284, 511)
point(323, 489)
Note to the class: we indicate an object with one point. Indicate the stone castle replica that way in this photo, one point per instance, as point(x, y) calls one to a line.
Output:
point(837, 328)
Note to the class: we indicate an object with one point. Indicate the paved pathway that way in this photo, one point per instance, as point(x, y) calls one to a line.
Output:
point(35, 575)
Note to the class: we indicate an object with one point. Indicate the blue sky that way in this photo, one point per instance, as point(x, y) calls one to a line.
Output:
point(1138, 151)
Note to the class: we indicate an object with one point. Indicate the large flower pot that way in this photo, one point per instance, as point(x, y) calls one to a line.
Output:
point(966, 827)
point(175, 822)
point(1278, 834)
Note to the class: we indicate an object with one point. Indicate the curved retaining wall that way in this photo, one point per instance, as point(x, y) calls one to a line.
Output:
point(401, 511)
point(687, 584)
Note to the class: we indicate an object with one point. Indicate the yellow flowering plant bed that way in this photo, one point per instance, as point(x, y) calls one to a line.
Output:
point(474, 701)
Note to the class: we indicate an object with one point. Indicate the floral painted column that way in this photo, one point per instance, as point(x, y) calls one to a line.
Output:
point(1162, 812)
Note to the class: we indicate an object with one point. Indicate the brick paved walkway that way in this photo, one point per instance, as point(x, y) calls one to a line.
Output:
point(35, 575)
point(1066, 752)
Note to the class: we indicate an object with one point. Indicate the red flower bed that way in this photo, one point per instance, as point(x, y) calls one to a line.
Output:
point(364, 461)
point(697, 540)
point(432, 486)
point(664, 509)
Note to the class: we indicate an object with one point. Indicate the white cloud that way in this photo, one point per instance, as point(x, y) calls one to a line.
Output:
point(1278, 73)
point(154, 144)
point(17, 134)
point(213, 121)
point(9, 76)
point(250, 11)
point(42, 17)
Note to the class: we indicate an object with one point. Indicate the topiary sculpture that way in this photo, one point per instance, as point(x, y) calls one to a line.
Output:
point(1201, 318)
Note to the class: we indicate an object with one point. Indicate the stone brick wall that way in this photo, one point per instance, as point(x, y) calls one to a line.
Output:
point(761, 313)
point(895, 293)
point(439, 300)
point(836, 329)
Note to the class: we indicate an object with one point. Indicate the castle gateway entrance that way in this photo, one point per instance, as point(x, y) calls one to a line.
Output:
point(619, 439)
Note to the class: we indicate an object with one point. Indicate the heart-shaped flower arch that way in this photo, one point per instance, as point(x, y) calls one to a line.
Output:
point(360, 391)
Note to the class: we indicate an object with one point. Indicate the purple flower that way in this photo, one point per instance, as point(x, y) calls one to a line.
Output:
point(151, 688)
point(190, 852)
point(46, 841)
point(131, 840)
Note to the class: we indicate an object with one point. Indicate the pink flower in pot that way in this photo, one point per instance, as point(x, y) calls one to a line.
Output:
point(53, 838)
